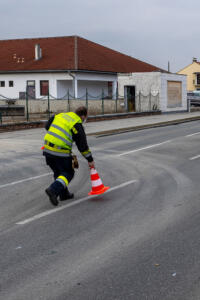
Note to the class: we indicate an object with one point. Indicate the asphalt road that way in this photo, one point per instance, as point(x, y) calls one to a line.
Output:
point(140, 240)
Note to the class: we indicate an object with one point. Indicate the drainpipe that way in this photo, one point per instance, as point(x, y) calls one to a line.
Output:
point(75, 84)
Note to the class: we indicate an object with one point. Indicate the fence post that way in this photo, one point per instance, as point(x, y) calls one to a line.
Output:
point(86, 98)
point(188, 105)
point(139, 101)
point(116, 98)
point(48, 106)
point(102, 102)
point(68, 100)
point(128, 98)
point(27, 112)
point(150, 101)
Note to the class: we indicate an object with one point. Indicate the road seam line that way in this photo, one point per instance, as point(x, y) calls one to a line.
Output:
point(52, 211)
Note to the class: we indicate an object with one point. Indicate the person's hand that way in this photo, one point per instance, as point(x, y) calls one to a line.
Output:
point(91, 164)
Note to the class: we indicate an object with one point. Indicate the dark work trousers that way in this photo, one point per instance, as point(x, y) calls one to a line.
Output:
point(61, 166)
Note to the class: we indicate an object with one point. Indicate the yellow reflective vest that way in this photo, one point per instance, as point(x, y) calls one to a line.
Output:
point(58, 140)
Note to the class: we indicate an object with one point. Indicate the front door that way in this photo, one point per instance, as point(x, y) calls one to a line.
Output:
point(31, 89)
point(130, 97)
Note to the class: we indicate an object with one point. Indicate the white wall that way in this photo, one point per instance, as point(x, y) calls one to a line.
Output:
point(154, 82)
point(165, 77)
point(143, 82)
point(94, 88)
point(21, 79)
point(59, 83)
point(63, 86)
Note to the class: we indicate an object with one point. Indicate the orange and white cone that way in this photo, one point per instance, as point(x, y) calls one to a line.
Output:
point(97, 185)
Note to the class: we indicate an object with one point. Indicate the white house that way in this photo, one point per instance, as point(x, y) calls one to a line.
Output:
point(63, 67)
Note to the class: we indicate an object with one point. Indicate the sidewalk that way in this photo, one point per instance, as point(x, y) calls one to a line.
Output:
point(137, 123)
point(106, 127)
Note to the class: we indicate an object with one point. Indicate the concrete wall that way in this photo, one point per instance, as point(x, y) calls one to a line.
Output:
point(94, 106)
point(165, 77)
point(143, 82)
point(152, 83)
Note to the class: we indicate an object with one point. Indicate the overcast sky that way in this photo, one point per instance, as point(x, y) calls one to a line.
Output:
point(155, 31)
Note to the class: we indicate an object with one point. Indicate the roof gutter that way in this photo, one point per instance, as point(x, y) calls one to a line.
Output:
point(58, 71)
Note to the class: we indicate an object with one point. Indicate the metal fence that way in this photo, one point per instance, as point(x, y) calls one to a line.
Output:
point(43, 107)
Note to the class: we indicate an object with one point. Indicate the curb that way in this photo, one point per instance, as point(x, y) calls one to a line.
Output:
point(141, 127)
point(40, 124)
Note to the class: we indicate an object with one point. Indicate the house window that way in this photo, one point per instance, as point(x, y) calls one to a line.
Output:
point(11, 83)
point(2, 83)
point(44, 87)
point(198, 78)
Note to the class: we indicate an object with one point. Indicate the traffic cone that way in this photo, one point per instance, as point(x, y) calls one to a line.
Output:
point(97, 185)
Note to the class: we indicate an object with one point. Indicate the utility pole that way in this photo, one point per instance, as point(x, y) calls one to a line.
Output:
point(168, 66)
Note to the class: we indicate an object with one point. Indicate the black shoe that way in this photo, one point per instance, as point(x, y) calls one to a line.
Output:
point(52, 196)
point(66, 195)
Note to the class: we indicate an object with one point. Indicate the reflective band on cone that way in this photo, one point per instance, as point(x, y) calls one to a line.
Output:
point(97, 185)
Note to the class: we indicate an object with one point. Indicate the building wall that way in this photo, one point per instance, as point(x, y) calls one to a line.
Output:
point(59, 83)
point(94, 88)
point(154, 83)
point(191, 78)
point(20, 81)
point(165, 77)
point(143, 82)
point(64, 87)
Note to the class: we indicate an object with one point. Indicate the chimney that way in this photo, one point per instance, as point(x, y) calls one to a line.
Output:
point(38, 52)
point(194, 59)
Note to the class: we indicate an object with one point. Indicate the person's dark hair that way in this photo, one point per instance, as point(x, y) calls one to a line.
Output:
point(81, 111)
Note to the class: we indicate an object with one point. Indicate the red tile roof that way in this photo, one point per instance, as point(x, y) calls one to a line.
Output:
point(66, 53)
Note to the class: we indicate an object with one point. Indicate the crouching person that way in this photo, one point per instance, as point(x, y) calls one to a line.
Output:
point(63, 130)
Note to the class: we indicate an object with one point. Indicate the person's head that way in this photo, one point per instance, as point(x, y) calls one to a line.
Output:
point(82, 112)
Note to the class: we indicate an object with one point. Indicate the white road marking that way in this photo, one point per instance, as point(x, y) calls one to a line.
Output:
point(193, 134)
point(144, 148)
point(194, 157)
point(24, 180)
point(52, 211)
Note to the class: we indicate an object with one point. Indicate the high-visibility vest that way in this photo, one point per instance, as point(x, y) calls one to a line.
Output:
point(58, 140)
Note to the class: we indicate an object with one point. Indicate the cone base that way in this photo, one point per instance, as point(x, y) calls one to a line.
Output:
point(103, 190)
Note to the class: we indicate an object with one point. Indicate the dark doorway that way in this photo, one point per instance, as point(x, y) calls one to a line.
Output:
point(31, 89)
point(129, 93)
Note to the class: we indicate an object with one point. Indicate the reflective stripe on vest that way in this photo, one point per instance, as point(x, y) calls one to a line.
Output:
point(64, 131)
point(60, 138)
point(60, 132)
point(57, 153)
